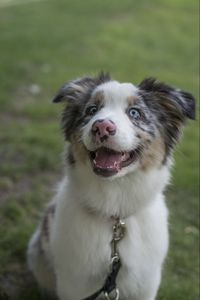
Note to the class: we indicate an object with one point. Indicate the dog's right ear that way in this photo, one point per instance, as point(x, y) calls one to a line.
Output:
point(77, 89)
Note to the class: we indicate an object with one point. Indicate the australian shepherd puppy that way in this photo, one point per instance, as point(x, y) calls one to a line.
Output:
point(120, 139)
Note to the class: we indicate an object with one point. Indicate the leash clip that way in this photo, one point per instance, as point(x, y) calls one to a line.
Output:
point(119, 230)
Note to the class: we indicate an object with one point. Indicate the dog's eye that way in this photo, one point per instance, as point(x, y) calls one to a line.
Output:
point(91, 110)
point(134, 113)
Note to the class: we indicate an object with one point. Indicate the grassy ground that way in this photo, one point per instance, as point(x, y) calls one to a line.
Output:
point(42, 45)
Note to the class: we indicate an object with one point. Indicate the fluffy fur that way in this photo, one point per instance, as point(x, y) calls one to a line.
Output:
point(120, 143)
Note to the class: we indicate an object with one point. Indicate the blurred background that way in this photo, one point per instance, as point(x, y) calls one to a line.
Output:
point(42, 45)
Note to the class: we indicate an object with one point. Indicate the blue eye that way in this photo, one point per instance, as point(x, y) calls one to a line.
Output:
point(134, 113)
point(91, 110)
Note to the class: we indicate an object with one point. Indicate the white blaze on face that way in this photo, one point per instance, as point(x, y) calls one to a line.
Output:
point(115, 103)
point(116, 93)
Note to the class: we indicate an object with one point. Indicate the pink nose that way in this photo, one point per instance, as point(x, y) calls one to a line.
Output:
point(102, 129)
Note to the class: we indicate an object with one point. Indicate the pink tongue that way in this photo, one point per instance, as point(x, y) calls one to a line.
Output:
point(107, 159)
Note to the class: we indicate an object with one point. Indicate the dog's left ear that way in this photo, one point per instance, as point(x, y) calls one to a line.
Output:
point(78, 89)
point(169, 98)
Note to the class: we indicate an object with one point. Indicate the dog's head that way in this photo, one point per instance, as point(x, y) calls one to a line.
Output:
point(116, 128)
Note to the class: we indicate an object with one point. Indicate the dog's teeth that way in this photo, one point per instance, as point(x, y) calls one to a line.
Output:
point(116, 165)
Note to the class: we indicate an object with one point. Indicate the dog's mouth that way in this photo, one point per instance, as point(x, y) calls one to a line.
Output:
point(107, 162)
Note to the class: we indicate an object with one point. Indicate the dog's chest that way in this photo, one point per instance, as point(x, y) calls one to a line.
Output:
point(82, 251)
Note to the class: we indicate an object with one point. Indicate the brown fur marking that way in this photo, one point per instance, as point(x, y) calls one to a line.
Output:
point(153, 155)
point(132, 100)
point(98, 98)
point(78, 149)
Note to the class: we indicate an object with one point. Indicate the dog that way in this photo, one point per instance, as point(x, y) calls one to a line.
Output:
point(120, 141)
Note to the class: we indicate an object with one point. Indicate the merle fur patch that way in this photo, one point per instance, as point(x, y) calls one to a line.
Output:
point(171, 107)
point(76, 94)
point(50, 212)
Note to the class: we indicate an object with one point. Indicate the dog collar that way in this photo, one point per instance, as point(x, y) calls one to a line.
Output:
point(109, 288)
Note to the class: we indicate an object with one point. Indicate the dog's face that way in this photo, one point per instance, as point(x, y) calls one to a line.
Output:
point(116, 128)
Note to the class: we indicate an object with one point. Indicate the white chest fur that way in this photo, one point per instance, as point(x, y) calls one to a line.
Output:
point(81, 246)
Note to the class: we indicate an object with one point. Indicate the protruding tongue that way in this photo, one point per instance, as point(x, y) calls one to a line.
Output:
point(108, 159)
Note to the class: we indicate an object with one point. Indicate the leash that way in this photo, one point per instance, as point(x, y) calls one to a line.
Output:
point(109, 288)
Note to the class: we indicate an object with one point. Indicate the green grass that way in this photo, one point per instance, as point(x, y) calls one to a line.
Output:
point(46, 43)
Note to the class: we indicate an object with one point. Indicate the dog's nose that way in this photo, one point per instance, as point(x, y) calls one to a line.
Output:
point(103, 128)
